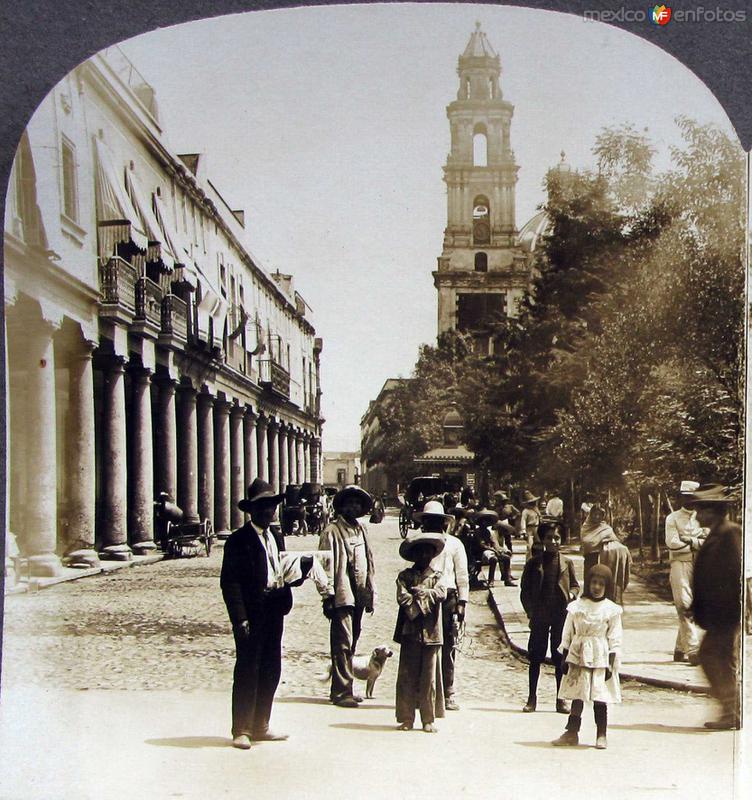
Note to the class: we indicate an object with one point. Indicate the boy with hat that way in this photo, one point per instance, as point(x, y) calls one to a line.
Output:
point(489, 548)
point(452, 564)
point(352, 589)
point(684, 536)
point(257, 599)
point(529, 520)
point(717, 600)
point(420, 592)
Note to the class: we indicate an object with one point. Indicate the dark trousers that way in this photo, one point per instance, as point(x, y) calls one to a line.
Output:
point(416, 681)
point(542, 630)
point(448, 649)
point(344, 632)
point(600, 712)
point(258, 663)
point(719, 658)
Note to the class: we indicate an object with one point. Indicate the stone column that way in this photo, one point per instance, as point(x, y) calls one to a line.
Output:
point(40, 536)
point(250, 450)
point(307, 456)
point(283, 477)
point(166, 440)
point(262, 451)
point(141, 464)
point(292, 467)
point(205, 425)
point(237, 457)
point(222, 467)
point(187, 453)
point(272, 452)
point(114, 503)
point(81, 460)
point(299, 462)
point(315, 457)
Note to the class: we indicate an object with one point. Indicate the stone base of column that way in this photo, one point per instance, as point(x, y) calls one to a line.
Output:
point(116, 552)
point(47, 565)
point(84, 558)
point(222, 534)
point(143, 548)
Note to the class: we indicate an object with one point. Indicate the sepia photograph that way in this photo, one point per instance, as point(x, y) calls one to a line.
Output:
point(373, 371)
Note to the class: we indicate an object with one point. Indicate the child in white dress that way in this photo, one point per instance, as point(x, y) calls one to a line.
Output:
point(591, 648)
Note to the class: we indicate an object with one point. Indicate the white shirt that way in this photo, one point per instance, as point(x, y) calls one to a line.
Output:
point(274, 579)
point(555, 507)
point(683, 522)
point(451, 562)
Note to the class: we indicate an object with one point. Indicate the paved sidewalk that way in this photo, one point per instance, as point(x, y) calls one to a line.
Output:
point(650, 625)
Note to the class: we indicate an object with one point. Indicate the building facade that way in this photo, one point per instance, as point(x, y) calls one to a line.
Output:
point(341, 469)
point(482, 271)
point(147, 350)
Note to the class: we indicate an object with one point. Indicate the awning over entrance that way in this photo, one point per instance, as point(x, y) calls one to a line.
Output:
point(185, 269)
point(117, 220)
point(211, 306)
point(157, 252)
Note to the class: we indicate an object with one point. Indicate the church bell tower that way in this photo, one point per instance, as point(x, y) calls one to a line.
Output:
point(482, 271)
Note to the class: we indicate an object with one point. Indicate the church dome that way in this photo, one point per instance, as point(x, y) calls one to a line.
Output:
point(530, 233)
point(452, 419)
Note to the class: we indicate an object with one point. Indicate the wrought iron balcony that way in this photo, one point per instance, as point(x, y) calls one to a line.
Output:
point(174, 317)
point(117, 286)
point(273, 376)
point(148, 301)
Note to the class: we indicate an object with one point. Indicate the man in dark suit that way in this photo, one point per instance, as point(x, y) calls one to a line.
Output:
point(717, 600)
point(257, 600)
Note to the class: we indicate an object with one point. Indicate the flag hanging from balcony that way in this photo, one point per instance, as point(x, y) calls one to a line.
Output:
point(157, 252)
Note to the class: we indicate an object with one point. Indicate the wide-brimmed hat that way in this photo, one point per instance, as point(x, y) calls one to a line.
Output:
point(500, 495)
point(711, 494)
point(362, 496)
point(433, 508)
point(436, 540)
point(529, 497)
point(687, 487)
point(486, 515)
point(258, 490)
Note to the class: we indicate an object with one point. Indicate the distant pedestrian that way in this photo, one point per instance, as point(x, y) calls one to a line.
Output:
point(717, 600)
point(489, 549)
point(601, 545)
point(555, 507)
point(548, 585)
point(467, 495)
point(684, 537)
point(452, 564)
point(420, 592)
point(352, 591)
point(591, 649)
point(529, 520)
point(257, 597)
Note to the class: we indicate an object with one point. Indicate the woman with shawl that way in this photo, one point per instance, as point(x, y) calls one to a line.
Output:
point(601, 545)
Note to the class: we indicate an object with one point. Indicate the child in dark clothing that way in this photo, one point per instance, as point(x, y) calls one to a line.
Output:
point(419, 632)
point(548, 585)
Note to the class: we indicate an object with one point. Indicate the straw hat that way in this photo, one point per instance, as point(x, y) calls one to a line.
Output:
point(433, 508)
point(436, 540)
point(362, 496)
point(258, 490)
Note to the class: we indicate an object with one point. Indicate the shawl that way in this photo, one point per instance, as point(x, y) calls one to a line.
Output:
point(595, 536)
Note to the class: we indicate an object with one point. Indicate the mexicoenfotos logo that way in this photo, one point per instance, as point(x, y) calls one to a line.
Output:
point(660, 15)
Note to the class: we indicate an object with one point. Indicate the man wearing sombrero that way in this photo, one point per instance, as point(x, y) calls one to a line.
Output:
point(257, 599)
point(351, 590)
point(717, 600)
point(529, 520)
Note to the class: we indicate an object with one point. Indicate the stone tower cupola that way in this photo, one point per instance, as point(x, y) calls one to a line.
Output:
point(481, 271)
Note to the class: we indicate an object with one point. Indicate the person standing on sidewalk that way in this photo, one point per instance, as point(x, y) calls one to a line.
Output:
point(420, 592)
point(529, 520)
point(548, 585)
point(257, 599)
point(591, 649)
point(452, 564)
point(684, 536)
point(352, 590)
point(717, 600)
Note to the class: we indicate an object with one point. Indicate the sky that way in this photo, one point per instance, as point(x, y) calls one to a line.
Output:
point(328, 126)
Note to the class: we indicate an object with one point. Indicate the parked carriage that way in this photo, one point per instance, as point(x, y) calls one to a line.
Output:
point(316, 515)
point(419, 491)
point(177, 537)
point(292, 512)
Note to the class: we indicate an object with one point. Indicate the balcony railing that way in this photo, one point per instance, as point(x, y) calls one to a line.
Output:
point(174, 317)
point(117, 284)
point(148, 301)
point(274, 377)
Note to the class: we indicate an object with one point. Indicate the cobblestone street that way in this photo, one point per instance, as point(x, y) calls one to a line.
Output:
point(164, 626)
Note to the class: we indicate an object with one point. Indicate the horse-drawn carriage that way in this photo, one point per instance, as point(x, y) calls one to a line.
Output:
point(417, 493)
point(178, 537)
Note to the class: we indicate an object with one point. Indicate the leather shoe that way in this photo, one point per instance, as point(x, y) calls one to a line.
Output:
point(601, 743)
point(450, 704)
point(562, 707)
point(358, 698)
point(242, 742)
point(270, 736)
point(347, 702)
point(529, 707)
point(567, 739)
point(510, 583)
point(679, 657)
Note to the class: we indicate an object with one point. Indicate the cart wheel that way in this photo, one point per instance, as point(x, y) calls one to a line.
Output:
point(209, 534)
point(404, 521)
point(166, 549)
